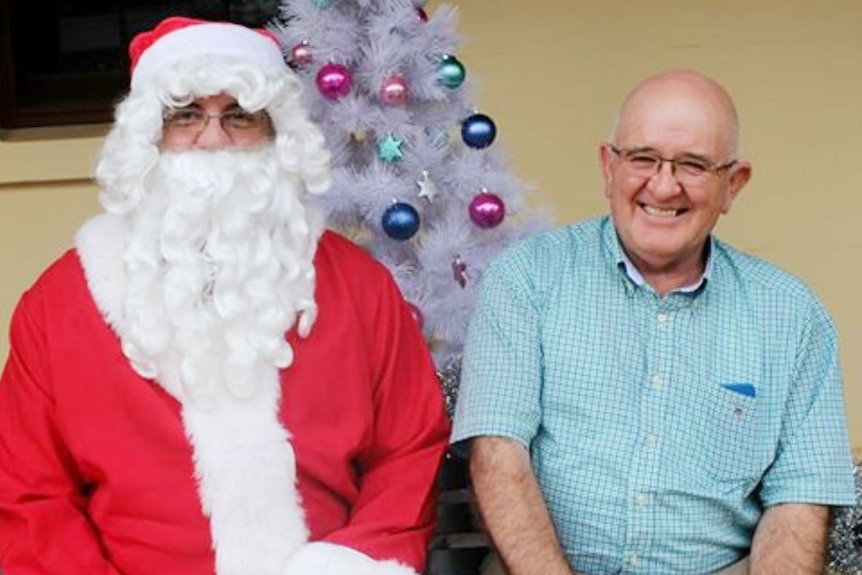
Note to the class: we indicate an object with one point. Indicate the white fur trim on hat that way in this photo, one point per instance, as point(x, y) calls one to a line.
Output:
point(209, 39)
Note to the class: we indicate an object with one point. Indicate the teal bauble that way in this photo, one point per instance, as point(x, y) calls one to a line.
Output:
point(450, 72)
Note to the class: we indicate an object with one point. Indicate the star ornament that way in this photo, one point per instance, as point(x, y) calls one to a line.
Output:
point(389, 149)
point(427, 187)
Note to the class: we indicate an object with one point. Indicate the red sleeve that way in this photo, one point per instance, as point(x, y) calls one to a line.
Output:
point(43, 529)
point(393, 516)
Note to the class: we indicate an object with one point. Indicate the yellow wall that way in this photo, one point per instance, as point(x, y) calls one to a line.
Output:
point(551, 73)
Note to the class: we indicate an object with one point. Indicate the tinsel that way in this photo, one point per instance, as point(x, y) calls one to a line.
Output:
point(450, 378)
point(845, 536)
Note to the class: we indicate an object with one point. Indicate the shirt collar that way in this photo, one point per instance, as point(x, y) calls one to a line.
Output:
point(621, 259)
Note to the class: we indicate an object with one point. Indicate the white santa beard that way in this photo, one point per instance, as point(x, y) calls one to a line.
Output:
point(219, 267)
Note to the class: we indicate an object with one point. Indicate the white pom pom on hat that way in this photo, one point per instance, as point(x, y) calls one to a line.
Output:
point(178, 37)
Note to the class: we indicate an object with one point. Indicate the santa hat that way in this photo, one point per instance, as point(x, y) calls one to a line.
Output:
point(178, 37)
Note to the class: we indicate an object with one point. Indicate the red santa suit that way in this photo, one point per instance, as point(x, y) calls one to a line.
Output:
point(97, 468)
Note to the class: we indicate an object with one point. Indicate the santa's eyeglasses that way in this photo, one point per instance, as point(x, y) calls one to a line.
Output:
point(239, 124)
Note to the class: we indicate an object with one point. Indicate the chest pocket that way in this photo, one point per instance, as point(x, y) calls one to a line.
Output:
point(734, 433)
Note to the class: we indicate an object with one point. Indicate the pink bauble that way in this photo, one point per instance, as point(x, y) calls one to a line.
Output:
point(334, 81)
point(394, 91)
point(301, 54)
point(487, 210)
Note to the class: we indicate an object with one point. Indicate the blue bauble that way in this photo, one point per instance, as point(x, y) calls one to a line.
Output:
point(322, 4)
point(400, 221)
point(478, 131)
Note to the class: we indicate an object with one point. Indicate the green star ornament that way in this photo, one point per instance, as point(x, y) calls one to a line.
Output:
point(389, 149)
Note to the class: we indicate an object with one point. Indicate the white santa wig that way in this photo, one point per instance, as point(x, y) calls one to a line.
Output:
point(183, 59)
point(177, 62)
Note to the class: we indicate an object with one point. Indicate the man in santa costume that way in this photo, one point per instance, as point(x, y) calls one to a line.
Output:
point(209, 382)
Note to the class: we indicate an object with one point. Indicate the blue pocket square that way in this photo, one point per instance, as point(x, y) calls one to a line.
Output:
point(745, 389)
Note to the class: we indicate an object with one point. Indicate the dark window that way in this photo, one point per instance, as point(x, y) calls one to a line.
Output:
point(66, 61)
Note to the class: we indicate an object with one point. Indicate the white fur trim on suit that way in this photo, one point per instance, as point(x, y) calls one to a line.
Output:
point(322, 558)
point(99, 243)
point(244, 463)
point(247, 481)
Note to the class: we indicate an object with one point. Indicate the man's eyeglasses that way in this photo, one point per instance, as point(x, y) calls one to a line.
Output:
point(236, 122)
point(688, 170)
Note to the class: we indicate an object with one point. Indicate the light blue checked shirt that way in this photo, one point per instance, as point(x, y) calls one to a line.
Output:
point(659, 428)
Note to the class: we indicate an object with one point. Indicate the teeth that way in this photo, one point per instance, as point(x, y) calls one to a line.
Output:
point(660, 212)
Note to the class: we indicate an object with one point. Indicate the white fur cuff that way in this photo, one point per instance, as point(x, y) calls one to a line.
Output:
point(328, 559)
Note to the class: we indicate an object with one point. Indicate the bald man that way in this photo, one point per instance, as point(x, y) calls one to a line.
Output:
point(640, 397)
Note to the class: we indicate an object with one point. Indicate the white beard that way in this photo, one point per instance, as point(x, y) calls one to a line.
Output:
point(219, 267)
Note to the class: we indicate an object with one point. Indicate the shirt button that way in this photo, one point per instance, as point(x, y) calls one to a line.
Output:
point(656, 381)
point(651, 438)
point(633, 559)
point(662, 317)
point(642, 499)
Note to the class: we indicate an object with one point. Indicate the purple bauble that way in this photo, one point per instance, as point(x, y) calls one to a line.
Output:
point(394, 91)
point(487, 210)
point(334, 81)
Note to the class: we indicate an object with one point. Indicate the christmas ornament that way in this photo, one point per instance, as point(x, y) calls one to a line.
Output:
point(450, 379)
point(427, 187)
point(334, 80)
point(845, 534)
point(459, 271)
point(478, 131)
point(450, 72)
point(423, 16)
point(487, 210)
point(301, 55)
point(322, 4)
point(437, 136)
point(416, 313)
point(419, 3)
point(400, 221)
point(389, 149)
point(394, 91)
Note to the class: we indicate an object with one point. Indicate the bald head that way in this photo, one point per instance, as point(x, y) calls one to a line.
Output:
point(685, 103)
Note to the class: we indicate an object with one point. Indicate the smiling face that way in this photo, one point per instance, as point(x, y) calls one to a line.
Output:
point(663, 224)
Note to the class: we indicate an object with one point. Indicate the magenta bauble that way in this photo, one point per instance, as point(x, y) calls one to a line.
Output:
point(334, 81)
point(487, 210)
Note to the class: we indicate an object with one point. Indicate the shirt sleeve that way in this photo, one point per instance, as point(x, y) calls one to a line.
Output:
point(813, 463)
point(501, 377)
point(393, 516)
point(43, 527)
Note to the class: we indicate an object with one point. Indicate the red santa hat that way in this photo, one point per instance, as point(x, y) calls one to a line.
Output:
point(179, 37)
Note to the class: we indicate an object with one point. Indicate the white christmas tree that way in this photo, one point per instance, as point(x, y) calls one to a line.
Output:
point(418, 181)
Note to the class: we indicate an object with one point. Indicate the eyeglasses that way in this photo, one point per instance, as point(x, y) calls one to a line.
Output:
point(237, 123)
point(690, 170)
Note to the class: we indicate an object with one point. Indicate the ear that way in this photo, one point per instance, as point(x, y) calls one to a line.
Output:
point(606, 160)
point(739, 175)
